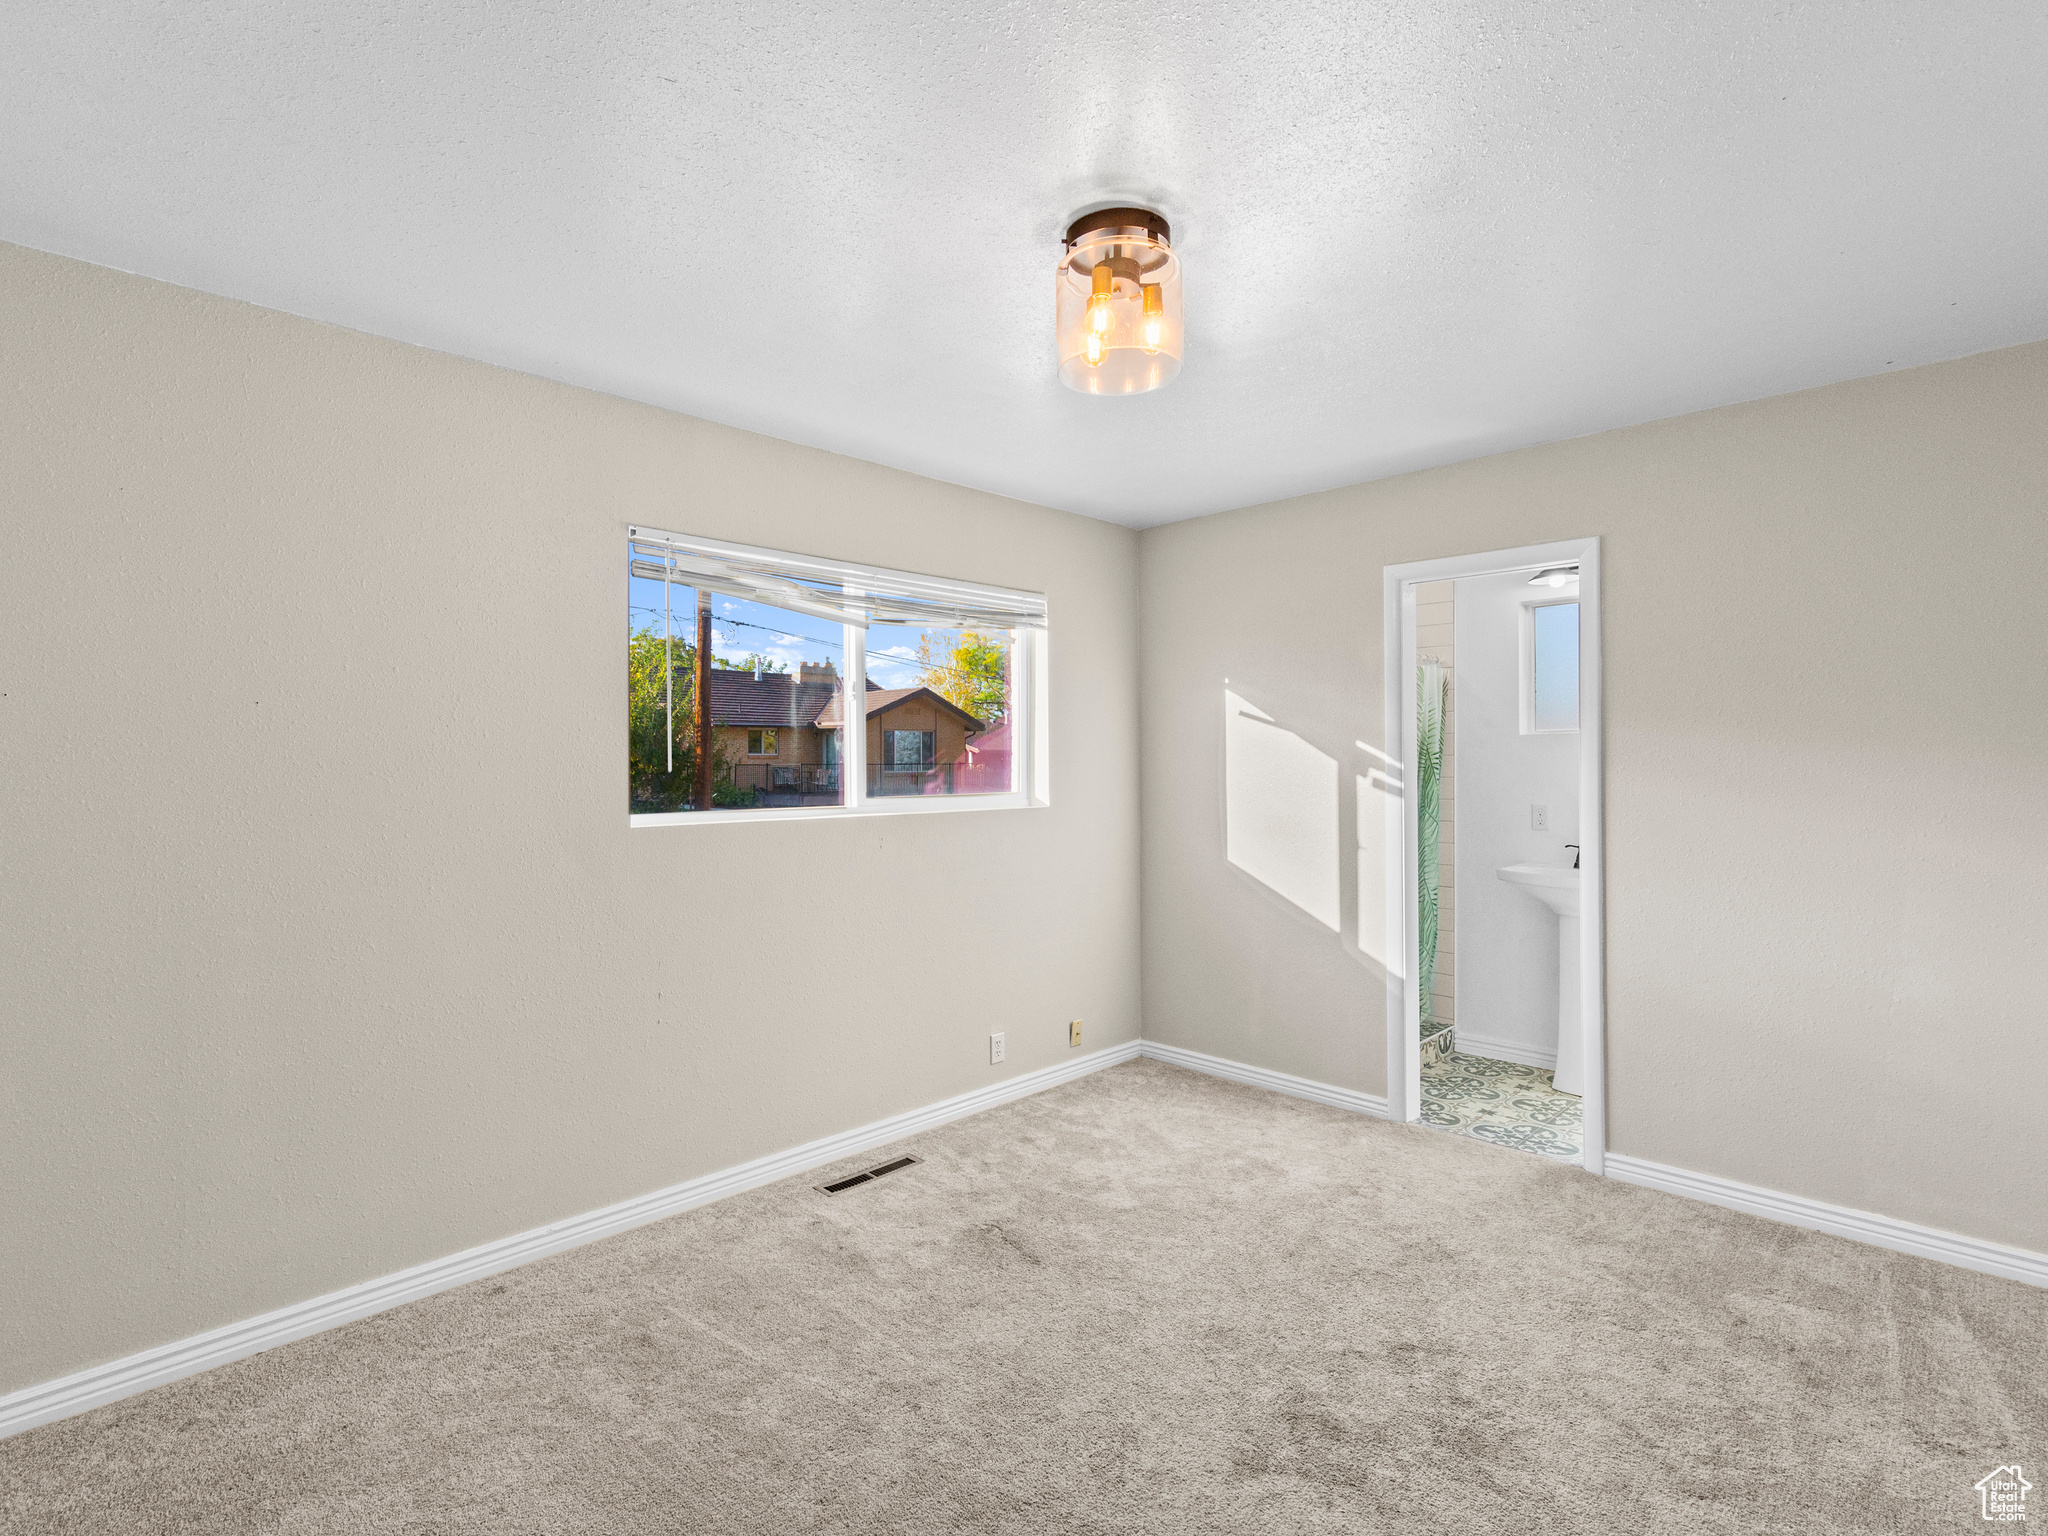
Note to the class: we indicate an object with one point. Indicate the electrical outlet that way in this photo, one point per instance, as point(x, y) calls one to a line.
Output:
point(1074, 1033)
point(995, 1049)
point(1539, 818)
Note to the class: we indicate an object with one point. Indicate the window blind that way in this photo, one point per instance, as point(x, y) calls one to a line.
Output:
point(826, 589)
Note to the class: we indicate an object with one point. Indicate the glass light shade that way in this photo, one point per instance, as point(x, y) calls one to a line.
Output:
point(1119, 305)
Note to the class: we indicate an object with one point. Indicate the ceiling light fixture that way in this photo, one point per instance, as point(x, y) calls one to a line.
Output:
point(1556, 576)
point(1119, 303)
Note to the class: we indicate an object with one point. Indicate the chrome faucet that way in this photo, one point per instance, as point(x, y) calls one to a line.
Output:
point(1575, 854)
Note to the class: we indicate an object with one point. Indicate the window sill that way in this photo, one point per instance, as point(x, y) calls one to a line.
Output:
point(925, 805)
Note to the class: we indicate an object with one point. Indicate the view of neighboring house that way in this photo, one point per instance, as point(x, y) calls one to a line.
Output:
point(766, 723)
point(781, 730)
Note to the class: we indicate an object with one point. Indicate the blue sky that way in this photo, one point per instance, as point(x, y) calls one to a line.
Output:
point(740, 629)
point(1557, 667)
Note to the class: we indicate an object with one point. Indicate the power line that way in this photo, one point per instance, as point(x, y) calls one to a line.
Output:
point(874, 658)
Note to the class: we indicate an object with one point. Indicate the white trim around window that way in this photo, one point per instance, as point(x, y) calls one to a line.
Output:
point(874, 594)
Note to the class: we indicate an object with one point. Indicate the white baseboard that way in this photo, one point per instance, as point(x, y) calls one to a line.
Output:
point(1470, 1044)
point(1818, 1216)
point(1862, 1226)
point(1265, 1077)
point(100, 1384)
point(117, 1379)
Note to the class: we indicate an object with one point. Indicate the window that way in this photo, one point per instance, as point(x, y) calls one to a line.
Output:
point(1550, 668)
point(909, 751)
point(942, 718)
point(951, 686)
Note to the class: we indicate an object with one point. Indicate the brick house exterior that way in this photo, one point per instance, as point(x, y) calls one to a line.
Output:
point(749, 711)
point(782, 732)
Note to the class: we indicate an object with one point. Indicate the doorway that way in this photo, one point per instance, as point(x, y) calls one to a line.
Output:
point(1532, 1067)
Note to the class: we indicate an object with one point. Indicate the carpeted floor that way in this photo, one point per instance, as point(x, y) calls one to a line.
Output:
point(1145, 1302)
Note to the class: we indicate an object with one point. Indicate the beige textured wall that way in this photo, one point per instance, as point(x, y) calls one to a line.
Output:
point(325, 947)
point(1827, 777)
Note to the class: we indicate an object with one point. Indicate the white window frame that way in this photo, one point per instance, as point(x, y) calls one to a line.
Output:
point(1030, 709)
point(766, 733)
point(1529, 607)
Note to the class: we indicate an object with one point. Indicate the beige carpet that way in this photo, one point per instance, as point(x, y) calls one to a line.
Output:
point(1145, 1302)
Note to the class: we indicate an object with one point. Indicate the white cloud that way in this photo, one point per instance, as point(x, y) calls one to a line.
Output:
point(791, 651)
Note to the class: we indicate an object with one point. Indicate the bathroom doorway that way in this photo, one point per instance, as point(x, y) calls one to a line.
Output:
point(1495, 1016)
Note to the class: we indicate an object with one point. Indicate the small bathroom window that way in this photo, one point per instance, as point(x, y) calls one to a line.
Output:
point(1550, 668)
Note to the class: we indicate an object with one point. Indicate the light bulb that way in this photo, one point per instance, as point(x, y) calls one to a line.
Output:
point(1117, 326)
point(1098, 300)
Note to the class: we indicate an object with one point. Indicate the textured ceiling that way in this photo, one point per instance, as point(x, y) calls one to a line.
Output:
point(1413, 232)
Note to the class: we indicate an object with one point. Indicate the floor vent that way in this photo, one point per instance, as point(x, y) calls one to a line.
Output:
point(866, 1178)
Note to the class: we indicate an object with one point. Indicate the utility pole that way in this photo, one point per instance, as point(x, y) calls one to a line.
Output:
point(703, 700)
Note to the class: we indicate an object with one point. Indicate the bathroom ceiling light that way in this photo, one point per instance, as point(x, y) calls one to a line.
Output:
point(1119, 303)
point(1555, 576)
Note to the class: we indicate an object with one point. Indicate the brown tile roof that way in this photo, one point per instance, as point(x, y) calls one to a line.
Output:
point(880, 699)
point(774, 699)
point(778, 700)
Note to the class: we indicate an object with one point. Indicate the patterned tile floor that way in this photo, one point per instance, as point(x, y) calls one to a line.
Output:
point(1501, 1102)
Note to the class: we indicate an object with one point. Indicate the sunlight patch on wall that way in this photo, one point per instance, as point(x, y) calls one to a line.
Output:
point(1280, 810)
point(1379, 884)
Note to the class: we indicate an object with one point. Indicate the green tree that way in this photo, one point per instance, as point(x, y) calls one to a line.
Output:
point(654, 786)
point(972, 671)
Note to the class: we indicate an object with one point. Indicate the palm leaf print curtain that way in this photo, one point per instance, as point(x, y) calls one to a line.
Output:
point(1429, 769)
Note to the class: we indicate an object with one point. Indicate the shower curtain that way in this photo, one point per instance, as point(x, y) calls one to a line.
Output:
point(1429, 767)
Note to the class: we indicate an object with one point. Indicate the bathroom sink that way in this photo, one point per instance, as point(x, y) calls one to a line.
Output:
point(1555, 885)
